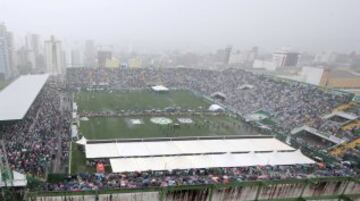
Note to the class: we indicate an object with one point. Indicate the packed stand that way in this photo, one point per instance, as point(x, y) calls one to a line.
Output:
point(31, 143)
point(291, 104)
point(88, 181)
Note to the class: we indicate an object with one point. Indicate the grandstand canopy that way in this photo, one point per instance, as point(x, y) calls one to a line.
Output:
point(345, 115)
point(313, 131)
point(182, 147)
point(16, 98)
point(208, 161)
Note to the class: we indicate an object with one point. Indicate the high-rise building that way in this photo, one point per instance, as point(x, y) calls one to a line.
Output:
point(227, 54)
point(54, 56)
point(5, 63)
point(35, 52)
point(25, 60)
point(284, 58)
point(12, 53)
point(90, 54)
point(33, 43)
point(76, 58)
point(102, 56)
point(27, 54)
point(222, 56)
point(246, 57)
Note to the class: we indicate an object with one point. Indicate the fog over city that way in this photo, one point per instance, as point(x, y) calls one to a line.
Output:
point(201, 25)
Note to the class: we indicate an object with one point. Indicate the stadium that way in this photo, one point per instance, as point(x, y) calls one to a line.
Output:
point(177, 134)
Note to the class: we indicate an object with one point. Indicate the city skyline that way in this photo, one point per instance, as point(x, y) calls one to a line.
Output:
point(202, 25)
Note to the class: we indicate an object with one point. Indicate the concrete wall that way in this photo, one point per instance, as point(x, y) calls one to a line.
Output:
point(236, 193)
point(139, 196)
point(188, 195)
point(63, 198)
point(243, 192)
point(150, 196)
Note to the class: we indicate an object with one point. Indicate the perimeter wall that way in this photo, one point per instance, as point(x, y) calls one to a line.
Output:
point(341, 188)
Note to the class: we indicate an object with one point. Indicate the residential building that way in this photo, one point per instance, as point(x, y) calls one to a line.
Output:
point(54, 56)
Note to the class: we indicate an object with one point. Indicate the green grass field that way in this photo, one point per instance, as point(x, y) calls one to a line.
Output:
point(117, 127)
point(136, 100)
point(78, 161)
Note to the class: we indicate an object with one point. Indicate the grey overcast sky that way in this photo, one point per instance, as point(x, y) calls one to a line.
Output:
point(302, 24)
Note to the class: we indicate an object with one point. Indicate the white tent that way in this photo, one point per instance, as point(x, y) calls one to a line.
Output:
point(159, 88)
point(19, 180)
point(215, 107)
point(181, 147)
point(75, 107)
point(74, 131)
point(82, 141)
point(208, 161)
point(74, 115)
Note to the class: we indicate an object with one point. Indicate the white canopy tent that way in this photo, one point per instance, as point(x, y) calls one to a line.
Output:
point(16, 99)
point(181, 147)
point(159, 88)
point(215, 107)
point(74, 131)
point(19, 180)
point(208, 161)
point(82, 141)
point(75, 107)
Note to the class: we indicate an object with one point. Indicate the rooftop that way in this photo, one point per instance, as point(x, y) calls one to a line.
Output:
point(17, 97)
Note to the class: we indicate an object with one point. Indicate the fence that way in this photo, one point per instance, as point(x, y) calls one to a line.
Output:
point(327, 188)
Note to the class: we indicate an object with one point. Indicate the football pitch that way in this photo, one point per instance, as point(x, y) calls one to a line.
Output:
point(201, 125)
point(140, 100)
point(112, 101)
point(182, 124)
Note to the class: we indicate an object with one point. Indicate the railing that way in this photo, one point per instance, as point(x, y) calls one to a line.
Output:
point(315, 188)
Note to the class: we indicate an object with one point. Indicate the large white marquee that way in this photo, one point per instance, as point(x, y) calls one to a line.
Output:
point(181, 147)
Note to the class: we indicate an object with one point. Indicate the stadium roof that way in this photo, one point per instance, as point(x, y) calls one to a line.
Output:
point(208, 161)
point(315, 132)
point(182, 147)
point(342, 114)
point(16, 98)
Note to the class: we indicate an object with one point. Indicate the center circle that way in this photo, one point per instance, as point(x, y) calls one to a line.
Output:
point(161, 120)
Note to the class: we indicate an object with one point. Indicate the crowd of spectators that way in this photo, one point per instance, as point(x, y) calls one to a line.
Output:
point(291, 104)
point(33, 142)
point(88, 181)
